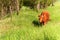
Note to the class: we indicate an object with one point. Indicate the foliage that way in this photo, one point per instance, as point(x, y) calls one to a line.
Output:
point(21, 27)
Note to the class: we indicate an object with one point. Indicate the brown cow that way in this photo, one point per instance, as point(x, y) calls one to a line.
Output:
point(44, 17)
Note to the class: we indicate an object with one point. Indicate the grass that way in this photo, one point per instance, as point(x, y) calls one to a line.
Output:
point(22, 28)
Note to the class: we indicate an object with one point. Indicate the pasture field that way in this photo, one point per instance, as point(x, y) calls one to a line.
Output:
point(22, 28)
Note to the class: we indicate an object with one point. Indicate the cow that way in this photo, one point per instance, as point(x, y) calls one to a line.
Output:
point(44, 17)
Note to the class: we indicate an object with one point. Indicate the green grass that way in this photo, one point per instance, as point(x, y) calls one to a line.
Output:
point(21, 27)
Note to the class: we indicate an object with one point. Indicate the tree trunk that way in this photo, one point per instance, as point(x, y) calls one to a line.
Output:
point(52, 2)
point(38, 6)
point(2, 11)
point(17, 6)
point(10, 9)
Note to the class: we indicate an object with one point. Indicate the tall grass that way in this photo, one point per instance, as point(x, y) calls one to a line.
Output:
point(22, 28)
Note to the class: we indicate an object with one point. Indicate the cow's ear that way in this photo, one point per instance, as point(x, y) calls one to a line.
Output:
point(38, 15)
point(41, 13)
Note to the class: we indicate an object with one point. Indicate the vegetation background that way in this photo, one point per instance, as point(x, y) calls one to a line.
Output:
point(17, 17)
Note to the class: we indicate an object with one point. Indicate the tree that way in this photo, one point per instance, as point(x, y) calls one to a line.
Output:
point(17, 6)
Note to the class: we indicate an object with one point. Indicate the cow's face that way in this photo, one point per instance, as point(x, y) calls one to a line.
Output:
point(41, 18)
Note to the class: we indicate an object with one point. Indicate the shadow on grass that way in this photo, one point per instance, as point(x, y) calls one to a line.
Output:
point(37, 23)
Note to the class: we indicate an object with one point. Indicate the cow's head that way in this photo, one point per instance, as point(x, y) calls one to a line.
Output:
point(41, 18)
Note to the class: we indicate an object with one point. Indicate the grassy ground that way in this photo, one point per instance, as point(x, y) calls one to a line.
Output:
point(22, 28)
